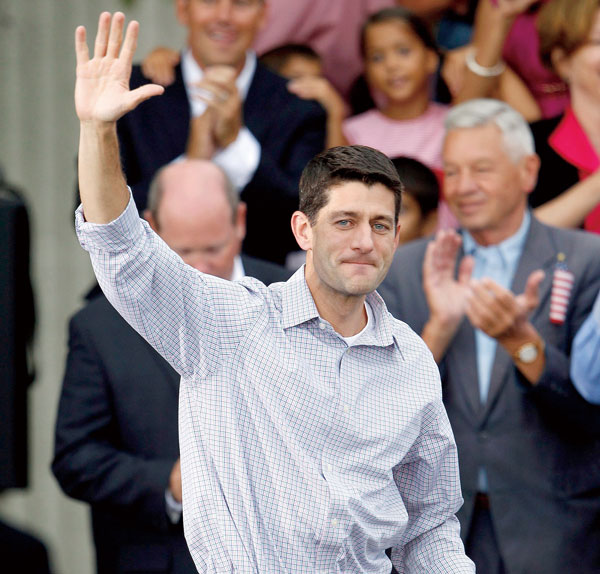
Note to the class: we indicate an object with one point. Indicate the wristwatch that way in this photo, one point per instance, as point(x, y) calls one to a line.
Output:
point(527, 353)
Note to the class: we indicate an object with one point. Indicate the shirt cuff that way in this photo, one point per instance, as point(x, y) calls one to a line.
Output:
point(118, 235)
point(240, 158)
point(174, 508)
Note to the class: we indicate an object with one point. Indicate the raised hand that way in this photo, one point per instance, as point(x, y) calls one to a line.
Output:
point(218, 91)
point(446, 295)
point(102, 86)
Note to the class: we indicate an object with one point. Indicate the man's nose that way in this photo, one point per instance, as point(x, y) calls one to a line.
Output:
point(362, 238)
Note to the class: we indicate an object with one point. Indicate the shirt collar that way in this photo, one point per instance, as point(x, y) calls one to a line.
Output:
point(570, 141)
point(298, 306)
point(192, 72)
point(238, 269)
point(507, 249)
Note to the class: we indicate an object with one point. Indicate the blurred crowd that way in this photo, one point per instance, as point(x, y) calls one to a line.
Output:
point(487, 109)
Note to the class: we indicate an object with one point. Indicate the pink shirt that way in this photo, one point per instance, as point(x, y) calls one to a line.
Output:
point(330, 27)
point(420, 138)
point(521, 53)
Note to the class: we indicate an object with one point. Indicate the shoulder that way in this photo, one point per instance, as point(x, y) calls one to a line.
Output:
point(366, 118)
point(265, 271)
point(409, 255)
point(97, 316)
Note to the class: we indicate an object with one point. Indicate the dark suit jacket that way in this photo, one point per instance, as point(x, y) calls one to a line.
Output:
point(540, 445)
point(117, 441)
point(290, 131)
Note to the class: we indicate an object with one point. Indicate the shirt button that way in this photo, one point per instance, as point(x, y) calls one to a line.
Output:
point(334, 522)
point(329, 468)
point(346, 408)
point(321, 326)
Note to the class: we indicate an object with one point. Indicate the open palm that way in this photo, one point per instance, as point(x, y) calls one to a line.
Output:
point(102, 85)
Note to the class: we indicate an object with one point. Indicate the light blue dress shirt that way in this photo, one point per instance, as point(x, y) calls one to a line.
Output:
point(585, 357)
point(499, 263)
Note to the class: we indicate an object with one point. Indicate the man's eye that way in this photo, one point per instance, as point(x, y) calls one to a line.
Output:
point(343, 223)
point(380, 227)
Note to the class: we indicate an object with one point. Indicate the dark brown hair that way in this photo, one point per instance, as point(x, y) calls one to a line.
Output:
point(341, 164)
point(566, 25)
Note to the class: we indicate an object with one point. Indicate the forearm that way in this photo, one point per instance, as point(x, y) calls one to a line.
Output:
point(490, 32)
point(102, 186)
point(571, 207)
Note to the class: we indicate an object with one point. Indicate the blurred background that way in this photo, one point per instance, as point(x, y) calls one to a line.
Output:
point(38, 146)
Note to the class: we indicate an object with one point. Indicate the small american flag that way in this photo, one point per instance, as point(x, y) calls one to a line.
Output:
point(562, 284)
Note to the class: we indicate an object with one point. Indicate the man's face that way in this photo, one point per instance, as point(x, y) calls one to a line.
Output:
point(220, 31)
point(352, 242)
point(484, 187)
point(209, 246)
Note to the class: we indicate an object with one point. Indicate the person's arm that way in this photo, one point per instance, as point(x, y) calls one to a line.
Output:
point(585, 357)
point(102, 96)
point(571, 207)
point(446, 295)
point(174, 307)
point(87, 462)
point(483, 74)
point(321, 90)
point(428, 481)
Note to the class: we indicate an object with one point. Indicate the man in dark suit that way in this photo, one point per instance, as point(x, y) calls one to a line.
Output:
point(116, 443)
point(225, 106)
point(499, 305)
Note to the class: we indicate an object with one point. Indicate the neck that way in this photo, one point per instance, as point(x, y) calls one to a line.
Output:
point(587, 112)
point(346, 313)
point(238, 66)
point(407, 109)
point(494, 236)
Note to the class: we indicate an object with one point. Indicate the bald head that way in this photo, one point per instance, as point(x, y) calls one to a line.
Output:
point(194, 208)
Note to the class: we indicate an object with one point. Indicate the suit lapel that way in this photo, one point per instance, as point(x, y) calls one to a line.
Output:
point(463, 362)
point(539, 252)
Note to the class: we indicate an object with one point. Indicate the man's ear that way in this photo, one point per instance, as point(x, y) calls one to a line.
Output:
point(240, 220)
point(302, 230)
point(529, 171)
point(150, 219)
point(181, 11)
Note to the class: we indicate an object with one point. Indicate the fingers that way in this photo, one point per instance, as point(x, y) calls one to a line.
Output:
point(530, 298)
point(102, 35)
point(115, 36)
point(465, 269)
point(137, 96)
point(130, 44)
point(82, 52)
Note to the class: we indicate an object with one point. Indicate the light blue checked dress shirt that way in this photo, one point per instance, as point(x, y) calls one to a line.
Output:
point(299, 453)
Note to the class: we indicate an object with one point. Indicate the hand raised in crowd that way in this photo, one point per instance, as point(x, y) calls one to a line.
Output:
point(102, 84)
point(159, 65)
point(446, 295)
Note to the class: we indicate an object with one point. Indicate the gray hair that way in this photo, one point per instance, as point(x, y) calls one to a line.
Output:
point(517, 136)
point(156, 190)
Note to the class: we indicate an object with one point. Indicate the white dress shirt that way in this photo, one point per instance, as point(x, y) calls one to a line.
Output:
point(239, 159)
point(299, 454)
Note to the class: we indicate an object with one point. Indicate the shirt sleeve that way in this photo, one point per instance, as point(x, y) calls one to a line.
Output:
point(428, 481)
point(585, 357)
point(184, 314)
point(240, 159)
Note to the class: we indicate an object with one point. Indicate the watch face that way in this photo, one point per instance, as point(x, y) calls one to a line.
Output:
point(528, 353)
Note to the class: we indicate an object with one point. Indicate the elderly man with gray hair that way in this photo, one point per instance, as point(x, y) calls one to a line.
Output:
point(498, 304)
